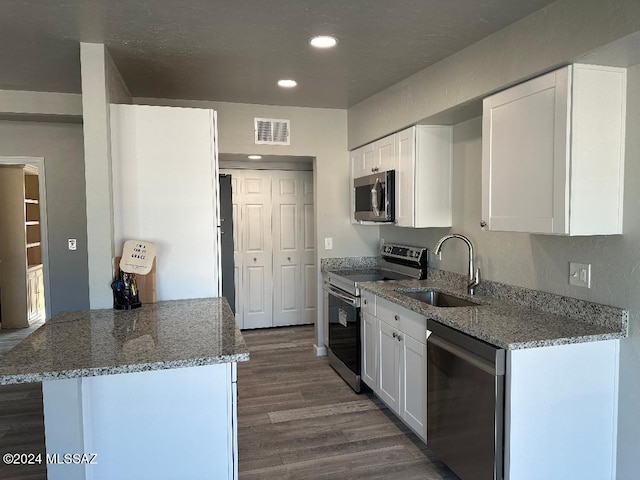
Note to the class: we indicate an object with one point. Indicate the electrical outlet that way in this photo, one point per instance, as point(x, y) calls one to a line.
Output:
point(580, 274)
point(73, 244)
point(328, 243)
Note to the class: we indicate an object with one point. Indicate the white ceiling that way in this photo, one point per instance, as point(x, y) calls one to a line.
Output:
point(236, 50)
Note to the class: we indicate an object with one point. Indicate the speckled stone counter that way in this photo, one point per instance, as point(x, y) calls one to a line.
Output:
point(347, 263)
point(165, 335)
point(506, 317)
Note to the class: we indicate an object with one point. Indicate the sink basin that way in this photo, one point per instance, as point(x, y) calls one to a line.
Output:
point(438, 299)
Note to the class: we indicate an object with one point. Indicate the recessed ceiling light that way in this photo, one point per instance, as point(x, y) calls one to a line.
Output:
point(287, 83)
point(254, 157)
point(323, 41)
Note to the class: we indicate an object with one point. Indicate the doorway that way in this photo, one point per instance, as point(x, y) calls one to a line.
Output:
point(275, 274)
point(24, 266)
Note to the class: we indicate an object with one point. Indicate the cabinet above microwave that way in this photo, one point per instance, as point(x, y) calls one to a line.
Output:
point(421, 157)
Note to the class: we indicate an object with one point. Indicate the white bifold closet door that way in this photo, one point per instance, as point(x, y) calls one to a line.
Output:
point(275, 272)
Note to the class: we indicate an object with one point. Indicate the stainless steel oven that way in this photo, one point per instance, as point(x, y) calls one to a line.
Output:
point(375, 197)
point(344, 335)
point(343, 303)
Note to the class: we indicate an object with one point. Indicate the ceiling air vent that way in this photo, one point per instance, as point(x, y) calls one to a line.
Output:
point(270, 131)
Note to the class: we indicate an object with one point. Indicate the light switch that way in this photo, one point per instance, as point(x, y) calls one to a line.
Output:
point(73, 244)
point(580, 274)
point(328, 243)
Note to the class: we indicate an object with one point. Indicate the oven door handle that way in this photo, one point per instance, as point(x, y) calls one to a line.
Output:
point(353, 301)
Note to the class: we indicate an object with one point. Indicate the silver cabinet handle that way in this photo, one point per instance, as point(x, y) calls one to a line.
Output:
point(483, 223)
point(394, 334)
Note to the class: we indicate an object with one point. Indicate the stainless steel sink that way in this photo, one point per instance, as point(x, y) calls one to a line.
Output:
point(438, 299)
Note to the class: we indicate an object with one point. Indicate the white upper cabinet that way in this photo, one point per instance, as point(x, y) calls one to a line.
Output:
point(422, 159)
point(423, 176)
point(553, 153)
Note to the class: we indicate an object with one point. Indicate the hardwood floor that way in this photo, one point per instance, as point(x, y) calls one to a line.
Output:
point(22, 429)
point(298, 420)
point(21, 416)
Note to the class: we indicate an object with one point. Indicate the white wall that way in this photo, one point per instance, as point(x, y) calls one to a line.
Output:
point(164, 192)
point(100, 82)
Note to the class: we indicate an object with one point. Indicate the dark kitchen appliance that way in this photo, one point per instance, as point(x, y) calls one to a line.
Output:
point(465, 403)
point(374, 197)
point(342, 287)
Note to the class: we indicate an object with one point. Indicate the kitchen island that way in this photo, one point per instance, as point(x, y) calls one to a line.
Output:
point(142, 394)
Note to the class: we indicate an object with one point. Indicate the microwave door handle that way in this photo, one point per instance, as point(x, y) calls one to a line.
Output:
point(347, 298)
point(375, 204)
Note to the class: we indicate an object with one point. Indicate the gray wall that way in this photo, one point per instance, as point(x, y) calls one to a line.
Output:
point(541, 262)
point(61, 145)
point(555, 35)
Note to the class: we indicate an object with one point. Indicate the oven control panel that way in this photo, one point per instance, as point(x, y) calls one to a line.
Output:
point(404, 252)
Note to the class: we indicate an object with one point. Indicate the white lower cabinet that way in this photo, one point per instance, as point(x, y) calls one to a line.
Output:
point(390, 365)
point(394, 363)
point(561, 406)
point(413, 381)
point(369, 364)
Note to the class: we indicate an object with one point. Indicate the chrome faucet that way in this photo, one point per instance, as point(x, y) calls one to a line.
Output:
point(474, 274)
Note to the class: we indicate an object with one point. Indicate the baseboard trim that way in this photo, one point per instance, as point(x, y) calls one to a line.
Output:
point(320, 351)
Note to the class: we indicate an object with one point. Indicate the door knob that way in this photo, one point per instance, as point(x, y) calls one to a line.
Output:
point(289, 258)
point(255, 259)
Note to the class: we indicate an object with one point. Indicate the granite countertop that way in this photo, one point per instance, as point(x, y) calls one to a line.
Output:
point(169, 334)
point(509, 322)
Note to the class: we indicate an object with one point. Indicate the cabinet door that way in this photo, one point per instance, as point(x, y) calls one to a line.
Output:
point(413, 407)
point(405, 185)
point(369, 367)
point(32, 295)
point(525, 156)
point(385, 153)
point(39, 293)
point(389, 367)
point(357, 164)
point(369, 159)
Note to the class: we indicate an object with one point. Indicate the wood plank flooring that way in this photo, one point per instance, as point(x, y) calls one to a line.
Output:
point(298, 420)
point(21, 416)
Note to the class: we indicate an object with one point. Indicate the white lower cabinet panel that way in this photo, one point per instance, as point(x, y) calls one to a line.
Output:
point(162, 424)
point(369, 365)
point(414, 385)
point(561, 412)
point(395, 365)
point(389, 367)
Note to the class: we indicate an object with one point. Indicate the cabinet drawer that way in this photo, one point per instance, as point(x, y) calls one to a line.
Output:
point(368, 303)
point(405, 320)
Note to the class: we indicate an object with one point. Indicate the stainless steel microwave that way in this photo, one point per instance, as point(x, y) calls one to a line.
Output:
point(375, 197)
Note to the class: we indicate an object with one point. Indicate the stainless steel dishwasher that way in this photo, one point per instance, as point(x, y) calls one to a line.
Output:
point(465, 403)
